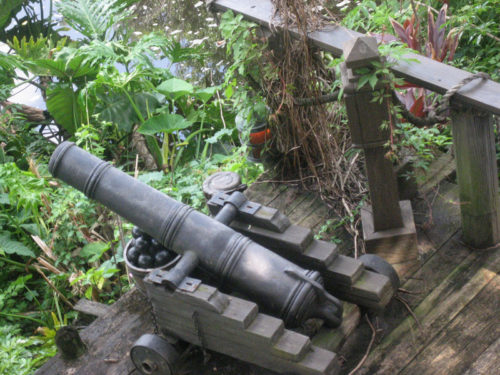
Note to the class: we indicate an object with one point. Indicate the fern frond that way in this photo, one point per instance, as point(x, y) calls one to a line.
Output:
point(93, 18)
point(94, 54)
point(10, 62)
point(30, 48)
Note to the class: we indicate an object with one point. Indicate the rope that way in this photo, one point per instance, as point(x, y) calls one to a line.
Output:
point(445, 103)
point(323, 99)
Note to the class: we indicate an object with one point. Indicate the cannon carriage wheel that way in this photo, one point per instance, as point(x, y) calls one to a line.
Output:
point(153, 355)
point(378, 265)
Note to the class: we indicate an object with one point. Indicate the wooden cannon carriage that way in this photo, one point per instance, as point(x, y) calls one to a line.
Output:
point(200, 314)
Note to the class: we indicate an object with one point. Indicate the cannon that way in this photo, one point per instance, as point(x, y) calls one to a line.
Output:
point(280, 287)
point(247, 248)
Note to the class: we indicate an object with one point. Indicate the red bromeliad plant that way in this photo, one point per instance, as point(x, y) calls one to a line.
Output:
point(438, 46)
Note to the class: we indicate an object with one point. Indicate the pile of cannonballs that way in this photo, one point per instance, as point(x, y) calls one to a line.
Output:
point(146, 252)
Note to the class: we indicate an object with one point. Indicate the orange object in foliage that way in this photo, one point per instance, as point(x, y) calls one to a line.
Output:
point(260, 137)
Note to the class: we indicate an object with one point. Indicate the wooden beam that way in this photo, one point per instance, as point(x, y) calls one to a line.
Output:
point(428, 73)
point(92, 308)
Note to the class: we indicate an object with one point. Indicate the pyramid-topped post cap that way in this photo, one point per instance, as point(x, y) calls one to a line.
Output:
point(360, 51)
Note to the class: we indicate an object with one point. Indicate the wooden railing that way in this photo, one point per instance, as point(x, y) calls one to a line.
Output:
point(472, 110)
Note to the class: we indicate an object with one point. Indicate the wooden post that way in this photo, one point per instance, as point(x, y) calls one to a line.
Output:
point(477, 174)
point(388, 226)
point(69, 342)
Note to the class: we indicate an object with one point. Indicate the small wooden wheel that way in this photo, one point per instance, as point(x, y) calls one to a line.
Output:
point(379, 265)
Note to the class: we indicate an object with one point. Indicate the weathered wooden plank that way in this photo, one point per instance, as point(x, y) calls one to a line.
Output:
point(317, 213)
point(345, 270)
point(305, 209)
point(428, 73)
point(441, 306)
point(294, 238)
point(108, 340)
point(279, 190)
point(477, 174)
point(488, 363)
point(267, 326)
point(287, 196)
point(262, 192)
point(440, 169)
point(405, 269)
point(302, 200)
point(322, 251)
point(439, 217)
point(92, 307)
point(371, 290)
point(464, 339)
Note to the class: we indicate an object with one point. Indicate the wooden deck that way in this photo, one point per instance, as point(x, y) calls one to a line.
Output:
point(453, 291)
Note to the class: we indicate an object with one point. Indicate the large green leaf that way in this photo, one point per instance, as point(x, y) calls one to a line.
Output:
point(175, 87)
point(93, 18)
point(10, 246)
point(8, 9)
point(206, 94)
point(118, 110)
point(94, 250)
point(62, 105)
point(164, 123)
point(74, 68)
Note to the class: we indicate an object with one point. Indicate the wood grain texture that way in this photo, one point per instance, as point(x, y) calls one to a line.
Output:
point(108, 340)
point(488, 363)
point(438, 215)
point(441, 306)
point(477, 174)
point(426, 72)
point(464, 339)
point(441, 168)
point(91, 307)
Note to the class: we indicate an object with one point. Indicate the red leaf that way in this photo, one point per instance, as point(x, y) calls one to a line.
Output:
point(454, 37)
point(406, 85)
point(430, 32)
point(418, 107)
point(400, 31)
point(440, 29)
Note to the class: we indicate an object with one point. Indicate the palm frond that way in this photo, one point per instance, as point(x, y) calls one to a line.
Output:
point(95, 54)
point(144, 50)
point(10, 62)
point(93, 18)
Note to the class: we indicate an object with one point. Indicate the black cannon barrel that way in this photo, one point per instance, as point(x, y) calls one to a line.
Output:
point(233, 258)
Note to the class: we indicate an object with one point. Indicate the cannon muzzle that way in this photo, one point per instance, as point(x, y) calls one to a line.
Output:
point(279, 286)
